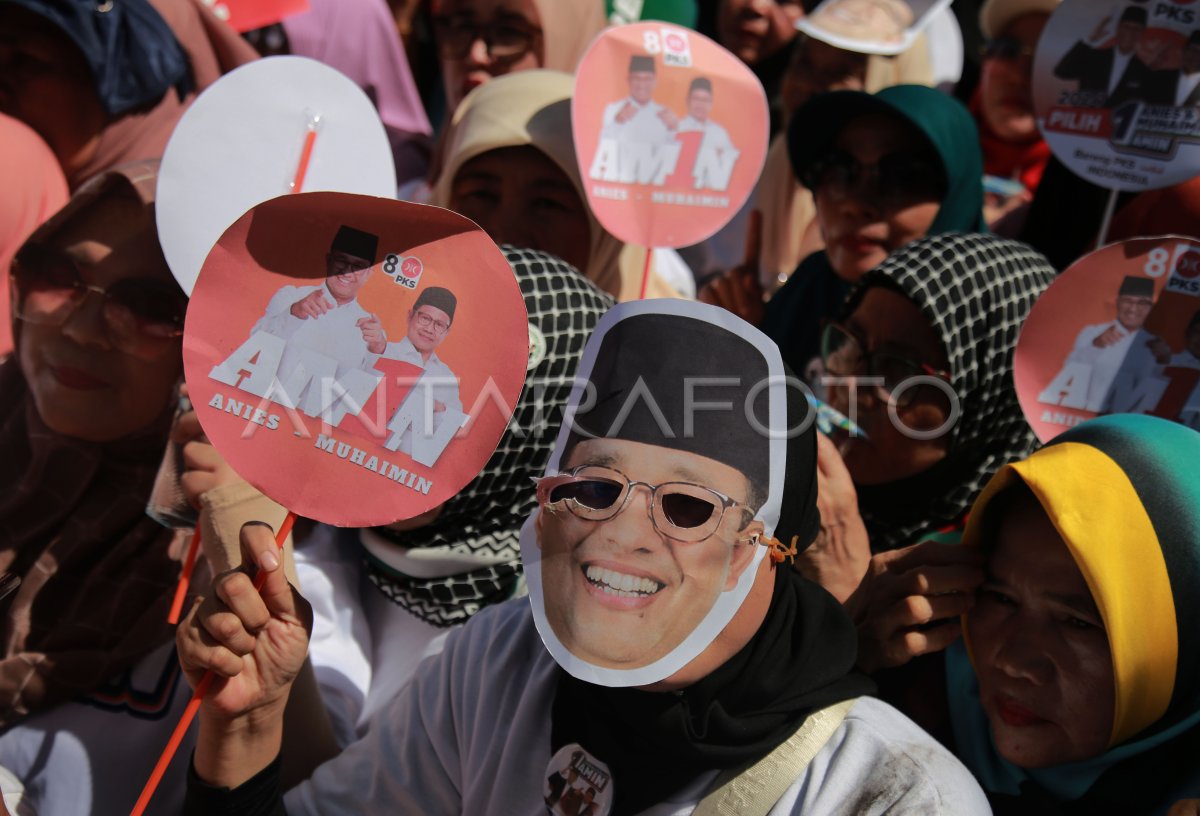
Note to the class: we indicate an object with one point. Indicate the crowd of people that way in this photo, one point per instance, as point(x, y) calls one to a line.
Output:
point(926, 611)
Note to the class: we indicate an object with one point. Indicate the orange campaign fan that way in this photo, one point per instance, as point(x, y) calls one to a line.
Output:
point(356, 359)
point(1118, 332)
point(670, 133)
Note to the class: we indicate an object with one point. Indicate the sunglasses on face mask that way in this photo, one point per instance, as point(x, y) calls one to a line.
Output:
point(899, 178)
point(142, 316)
point(679, 510)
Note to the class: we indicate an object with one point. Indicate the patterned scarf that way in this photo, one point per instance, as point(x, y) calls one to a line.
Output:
point(976, 291)
point(483, 522)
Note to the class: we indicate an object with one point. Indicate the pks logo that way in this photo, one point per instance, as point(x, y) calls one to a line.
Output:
point(1188, 265)
point(676, 49)
point(405, 271)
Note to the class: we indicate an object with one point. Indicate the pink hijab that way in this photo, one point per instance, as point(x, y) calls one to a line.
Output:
point(359, 38)
point(34, 189)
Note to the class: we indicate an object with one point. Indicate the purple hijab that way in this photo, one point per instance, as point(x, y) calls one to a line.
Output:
point(359, 38)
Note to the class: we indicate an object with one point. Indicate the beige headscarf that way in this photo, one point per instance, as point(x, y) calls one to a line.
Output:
point(787, 207)
point(568, 28)
point(534, 108)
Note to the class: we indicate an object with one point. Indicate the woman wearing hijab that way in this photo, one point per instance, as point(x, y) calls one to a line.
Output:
point(85, 408)
point(386, 598)
point(789, 231)
point(885, 169)
point(511, 167)
point(1013, 147)
point(34, 189)
point(479, 40)
point(1077, 689)
point(937, 322)
point(105, 84)
point(359, 38)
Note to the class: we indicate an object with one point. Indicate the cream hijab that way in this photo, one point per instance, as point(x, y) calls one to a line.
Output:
point(534, 108)
point(787, 207)
point(568, 28)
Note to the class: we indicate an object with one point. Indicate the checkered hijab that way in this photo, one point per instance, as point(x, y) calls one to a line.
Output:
point(976, 291)
point(484, 521)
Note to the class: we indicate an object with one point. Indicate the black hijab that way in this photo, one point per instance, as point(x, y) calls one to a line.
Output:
point(975, 291)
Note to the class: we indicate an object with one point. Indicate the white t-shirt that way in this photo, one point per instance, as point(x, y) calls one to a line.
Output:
point(334, 334)
point(364, 648)
point(470, 734)
point(92, 755)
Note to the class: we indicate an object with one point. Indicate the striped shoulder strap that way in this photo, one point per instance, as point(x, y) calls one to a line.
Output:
point(755, 790)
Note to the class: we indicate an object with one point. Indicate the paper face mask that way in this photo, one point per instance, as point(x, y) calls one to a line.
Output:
point(354, 358)
point(663, 483)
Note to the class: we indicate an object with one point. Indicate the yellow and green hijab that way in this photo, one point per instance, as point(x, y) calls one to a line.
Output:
point(1124, 493)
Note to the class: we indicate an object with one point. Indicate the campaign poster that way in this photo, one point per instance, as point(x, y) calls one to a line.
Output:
point(1117, 90)
point(628, 588)
point(670, 133)
point(273, 126)
point(887, 27)
point(1114, 334)
point(356, 359)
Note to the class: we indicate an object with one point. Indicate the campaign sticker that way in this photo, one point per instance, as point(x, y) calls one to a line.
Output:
point(343, 396)
point(1117, 89)
point(273, 126)
point(1117, 332)
point(886, 27)
point(670, 131)
point(577, 784)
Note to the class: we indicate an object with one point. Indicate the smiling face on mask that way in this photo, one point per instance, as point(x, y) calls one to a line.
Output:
point(625, 591)
point(1040, 648)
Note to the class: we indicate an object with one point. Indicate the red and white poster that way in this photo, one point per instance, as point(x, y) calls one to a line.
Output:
point(355, 358)
point(1117, 90)
point(1117, 332)
point(670, 131)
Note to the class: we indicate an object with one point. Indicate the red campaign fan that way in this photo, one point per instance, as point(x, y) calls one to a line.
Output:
point(356, 359)
point(670, 133)
point(1117, 332)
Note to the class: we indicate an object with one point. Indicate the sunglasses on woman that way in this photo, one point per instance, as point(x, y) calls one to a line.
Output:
point(899, 178)
point(505, 41)
point(142, 316)
point(680, 510)
point(844, 356)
